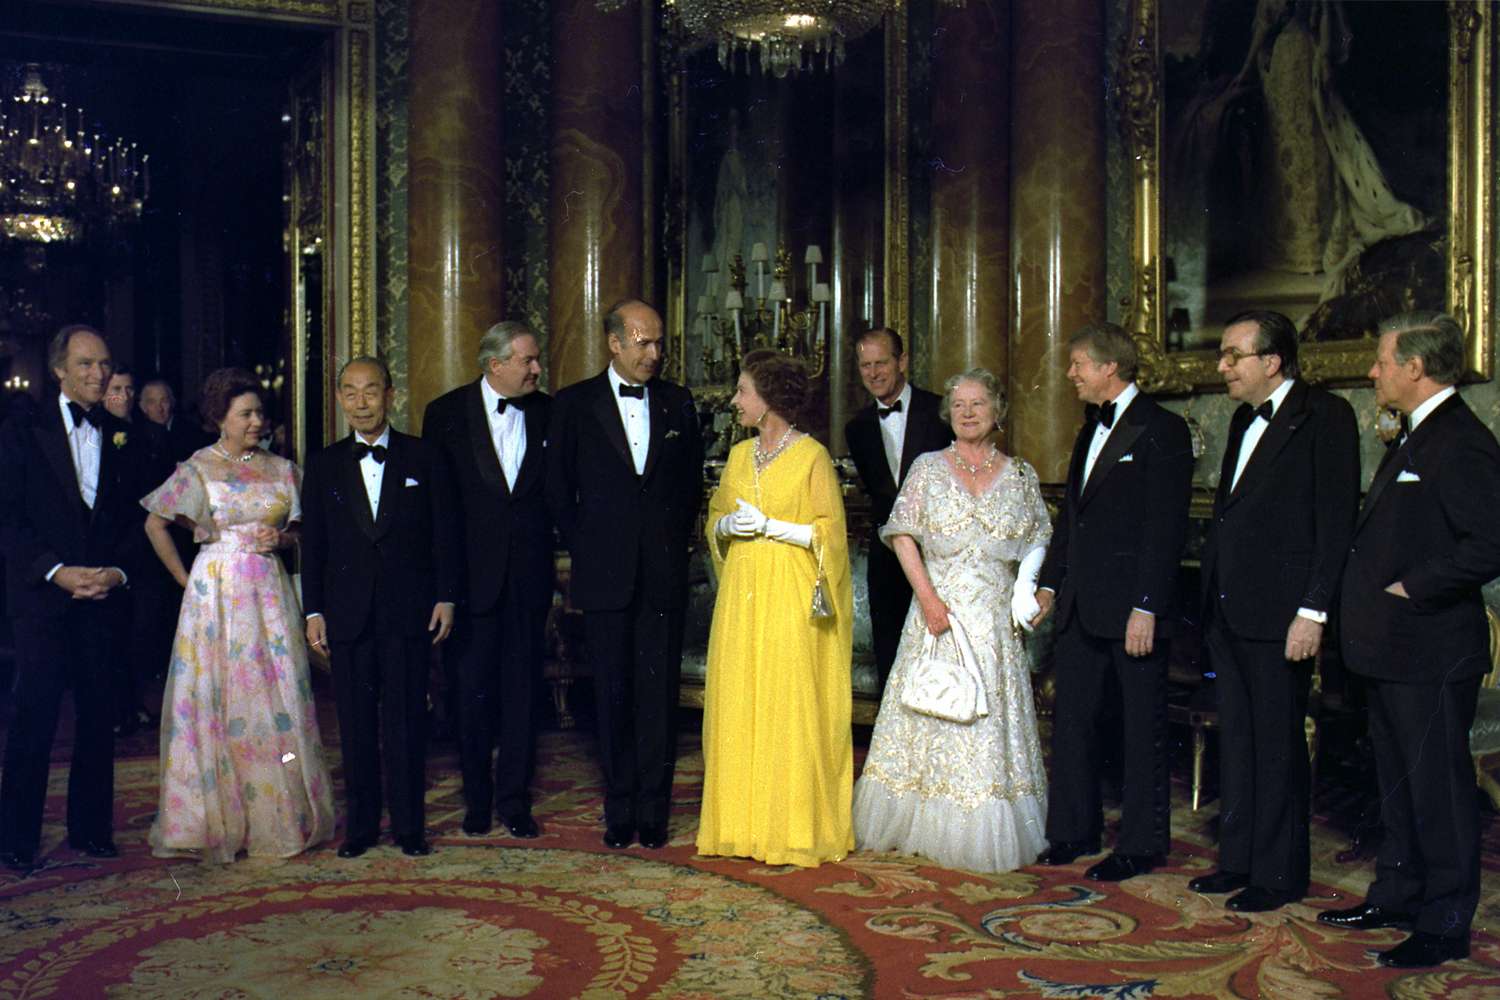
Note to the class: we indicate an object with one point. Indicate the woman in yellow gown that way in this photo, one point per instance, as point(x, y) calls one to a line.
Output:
point(778, 761)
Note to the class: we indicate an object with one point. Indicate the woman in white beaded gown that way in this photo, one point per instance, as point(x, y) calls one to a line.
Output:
point(969, 522)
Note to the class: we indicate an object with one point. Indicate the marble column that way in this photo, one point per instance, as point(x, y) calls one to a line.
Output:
point(971, 189)
point(1056, 215)
point(595, 224)
point(456, 201)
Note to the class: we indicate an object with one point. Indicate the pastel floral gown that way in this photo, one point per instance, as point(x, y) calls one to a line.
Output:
point(967, 796)
point(242, 764)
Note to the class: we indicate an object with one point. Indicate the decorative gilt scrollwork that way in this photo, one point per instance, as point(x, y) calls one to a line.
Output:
point(1470, 253)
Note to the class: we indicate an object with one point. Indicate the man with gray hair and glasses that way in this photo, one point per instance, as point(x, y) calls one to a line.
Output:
point(493, 432)
point(1413, 624)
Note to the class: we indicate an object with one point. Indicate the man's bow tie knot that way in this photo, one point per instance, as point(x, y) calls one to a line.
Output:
point(377, 452)
point(1104, 413)
point(633, 391)
point(886, 411)
point(92, 414)
point(1265, 411)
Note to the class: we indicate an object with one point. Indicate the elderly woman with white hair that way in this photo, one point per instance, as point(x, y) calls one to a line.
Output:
point(970, 529)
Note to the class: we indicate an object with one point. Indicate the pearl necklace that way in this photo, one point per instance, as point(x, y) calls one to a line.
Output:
point(975, 470)
point(243, 457)
point(764, 458)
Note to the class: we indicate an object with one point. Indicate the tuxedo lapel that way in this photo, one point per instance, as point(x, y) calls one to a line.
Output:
point(1284, 423)
point(1400, 457)
point(607, 412)
point(1119, 443)
point(52, 441)
point(536, 439)
point(1238, 424)
point(657, 404)
point(867, 428)
point(354, 487)
point(481, 442)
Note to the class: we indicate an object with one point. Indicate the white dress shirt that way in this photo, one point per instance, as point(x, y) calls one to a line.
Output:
point(635, 415)
point(1257, 429)
point(893, 430)
point(1101, 433)
point(507, 432)
point(84, 440)
point(373, 472)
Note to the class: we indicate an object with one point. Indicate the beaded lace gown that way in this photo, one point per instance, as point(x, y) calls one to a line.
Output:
point(242, 765)
point(967, 796)
point(778, 757)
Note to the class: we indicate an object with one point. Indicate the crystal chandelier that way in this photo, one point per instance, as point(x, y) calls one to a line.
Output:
point(58, 183)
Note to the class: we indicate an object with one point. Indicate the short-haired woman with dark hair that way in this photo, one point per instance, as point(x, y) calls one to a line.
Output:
point(970, 529)
point(241, 759)
point(778, 759)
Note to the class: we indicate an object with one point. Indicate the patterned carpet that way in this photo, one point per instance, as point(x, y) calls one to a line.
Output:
point(562, 916)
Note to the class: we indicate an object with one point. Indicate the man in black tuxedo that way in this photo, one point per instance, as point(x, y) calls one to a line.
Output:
point(1111, 572)
point(379, 576)
point(1276, 546)
point(176, 438)
point(1412, 621)
point(885, 437)
point(69, 520)
point(625, 481)
point(494, 433)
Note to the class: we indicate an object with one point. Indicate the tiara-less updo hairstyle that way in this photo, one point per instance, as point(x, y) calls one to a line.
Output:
point(223, 387)
point(985, 379)
point(780, 380)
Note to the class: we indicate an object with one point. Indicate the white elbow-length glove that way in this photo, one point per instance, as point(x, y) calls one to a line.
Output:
point(792, 534)
point(746, 522)
point(1023, 603)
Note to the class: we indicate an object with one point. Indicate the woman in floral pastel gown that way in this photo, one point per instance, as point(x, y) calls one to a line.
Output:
point(241, 761)
point(778, 758)
point(970, 528)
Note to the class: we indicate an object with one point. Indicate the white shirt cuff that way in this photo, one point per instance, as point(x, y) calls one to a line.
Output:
point(1145, 612)
point(52, 572)
point(1321, 617)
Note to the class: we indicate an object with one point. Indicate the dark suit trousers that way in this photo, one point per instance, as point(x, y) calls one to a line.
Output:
point(1089, 670)
point(52, 655)
point(1264, 775)
point(1429, 856)
point(890, 600)
point(380, 688)
point(499, 664)
point(637, 660)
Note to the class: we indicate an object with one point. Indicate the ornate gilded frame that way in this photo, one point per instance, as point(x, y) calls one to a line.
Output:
point(1471, 262)
point(347, 223)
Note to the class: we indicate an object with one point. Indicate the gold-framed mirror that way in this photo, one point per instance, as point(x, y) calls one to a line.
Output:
point(1356, 217)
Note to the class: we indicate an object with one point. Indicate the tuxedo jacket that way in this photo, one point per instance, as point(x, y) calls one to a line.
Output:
point(506, 533)
point(619, 526)
point(1428, 521)
point(925, 431)
point(1278, 539)
point(386, 572)
point(1118, 539)
point(43, 519)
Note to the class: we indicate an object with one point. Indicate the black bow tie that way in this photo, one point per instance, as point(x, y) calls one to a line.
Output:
point(633, 391)
point(93, 415)
point(886, 411)
point(502, 403)
point(1265, 411)
point(377, 452)
point(1104, 413)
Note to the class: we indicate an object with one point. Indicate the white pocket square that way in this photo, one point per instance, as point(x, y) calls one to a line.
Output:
point(412, 482)
point(1127, 458)
point(671, 434)
point(1407, 476)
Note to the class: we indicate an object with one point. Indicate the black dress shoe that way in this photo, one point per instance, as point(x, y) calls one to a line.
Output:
point(354, 847)
point(18, 861)
point(414, 846)
point(618, 836)
point(1219, 882)
point(1365, 917)
point(477, 824)
point(521, 825)
point(654, 836)
point(96, 848)
point(1119, 867)
point(1065, 852)
point(1423, 950)
point(1258, 900)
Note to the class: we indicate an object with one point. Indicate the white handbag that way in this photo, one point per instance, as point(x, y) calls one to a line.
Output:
point(945, 682)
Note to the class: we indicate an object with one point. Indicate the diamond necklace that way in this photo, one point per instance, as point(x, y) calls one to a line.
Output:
point(975, 470)
point(764, 458)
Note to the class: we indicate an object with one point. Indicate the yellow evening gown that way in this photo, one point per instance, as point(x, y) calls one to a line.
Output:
point(778, 761)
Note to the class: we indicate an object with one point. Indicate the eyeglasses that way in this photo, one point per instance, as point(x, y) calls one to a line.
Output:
point(1234, 357)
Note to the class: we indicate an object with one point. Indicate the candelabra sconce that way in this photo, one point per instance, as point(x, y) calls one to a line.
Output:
point(761, 313)
point(18, 383)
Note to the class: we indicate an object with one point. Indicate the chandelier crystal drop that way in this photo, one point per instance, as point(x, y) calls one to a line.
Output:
point(58, 182)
